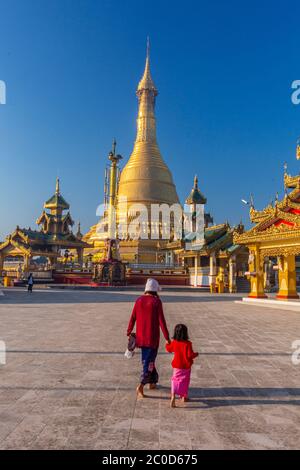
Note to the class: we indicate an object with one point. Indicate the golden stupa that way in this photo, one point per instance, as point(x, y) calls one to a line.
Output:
point(145, 179)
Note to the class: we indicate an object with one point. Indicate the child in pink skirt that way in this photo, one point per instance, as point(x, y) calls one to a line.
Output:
point(182, 363)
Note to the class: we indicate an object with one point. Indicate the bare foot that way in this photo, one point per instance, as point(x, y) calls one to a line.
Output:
point(140, 391)
point(185, 399)
point(173, 404)
point(152, 386)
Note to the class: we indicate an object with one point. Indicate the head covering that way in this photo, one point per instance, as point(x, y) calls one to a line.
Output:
point(152, 286)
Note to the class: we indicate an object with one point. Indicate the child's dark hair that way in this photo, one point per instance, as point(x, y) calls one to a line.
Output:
point(181, 333)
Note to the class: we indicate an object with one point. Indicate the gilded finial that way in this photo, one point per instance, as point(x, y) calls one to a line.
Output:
point(146, 82)
point(148, 47)
point(79, 234)
point(196, 182)
point(57, 189)
point(113, 157)
point(114, 145)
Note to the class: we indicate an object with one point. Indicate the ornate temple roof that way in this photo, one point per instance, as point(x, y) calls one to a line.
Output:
point(217, 238)
point(54, 235)
point(279, 221)
point(196, 197)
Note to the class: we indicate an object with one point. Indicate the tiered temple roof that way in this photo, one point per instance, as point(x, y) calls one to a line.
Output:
point(279, 219)
point(55, 233)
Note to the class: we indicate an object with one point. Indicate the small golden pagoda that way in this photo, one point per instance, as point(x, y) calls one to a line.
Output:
point(276, 234)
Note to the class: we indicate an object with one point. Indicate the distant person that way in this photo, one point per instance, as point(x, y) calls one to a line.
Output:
point(149, 318)
point(182, 363)
point(30, 282)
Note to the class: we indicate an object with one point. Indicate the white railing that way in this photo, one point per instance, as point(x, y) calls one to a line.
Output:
point(155, 266)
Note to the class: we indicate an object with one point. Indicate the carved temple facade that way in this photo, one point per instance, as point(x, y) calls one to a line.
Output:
point(274, 241)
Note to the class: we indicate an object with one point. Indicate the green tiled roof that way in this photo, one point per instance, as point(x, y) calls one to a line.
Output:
point(42, 237)
point(219, 241)
point(58, 201)
point(214, 232)
point(232, 248)
point(196, 197)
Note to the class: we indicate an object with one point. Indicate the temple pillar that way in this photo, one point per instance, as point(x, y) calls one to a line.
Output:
point(53, 263)
point(276, 279)
point(256, 274)
point(212, 272)
point(80, 256)
point(220, 281)
point(26, 263)
point(232, 275)
point(1, 263)
point(196, 272)
point(267, 275)
point(287, 277)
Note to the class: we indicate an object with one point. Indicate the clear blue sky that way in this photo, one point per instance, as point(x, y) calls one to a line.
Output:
point(223, 69)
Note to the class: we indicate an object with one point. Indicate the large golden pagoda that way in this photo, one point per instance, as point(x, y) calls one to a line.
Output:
point(145, 180)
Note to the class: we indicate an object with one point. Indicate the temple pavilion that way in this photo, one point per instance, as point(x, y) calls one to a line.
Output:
point(275, 236)
point(217, 262)
point(55, 235)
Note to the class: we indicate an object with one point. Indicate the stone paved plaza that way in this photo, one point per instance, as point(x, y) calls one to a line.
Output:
point(67, 384)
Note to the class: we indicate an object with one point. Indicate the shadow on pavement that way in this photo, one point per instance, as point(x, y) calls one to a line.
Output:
point(82, 297)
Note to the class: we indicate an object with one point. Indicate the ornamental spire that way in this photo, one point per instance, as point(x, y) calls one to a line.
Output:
point(57, 190)
point(146, 82)
point(196, 182)
point(146, 93)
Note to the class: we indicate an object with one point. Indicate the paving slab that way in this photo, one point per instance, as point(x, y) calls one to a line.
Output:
point(67, 385)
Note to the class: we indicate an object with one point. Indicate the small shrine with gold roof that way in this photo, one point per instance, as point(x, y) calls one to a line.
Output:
point(55, 234)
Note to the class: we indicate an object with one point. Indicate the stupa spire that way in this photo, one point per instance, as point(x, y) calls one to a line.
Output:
point(146, 82)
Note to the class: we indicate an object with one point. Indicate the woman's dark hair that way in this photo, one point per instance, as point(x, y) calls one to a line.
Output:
point(181, 333)
point(150, 292)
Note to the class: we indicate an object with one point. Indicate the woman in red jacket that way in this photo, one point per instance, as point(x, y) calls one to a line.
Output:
point(149, 318)
point(183, 359)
